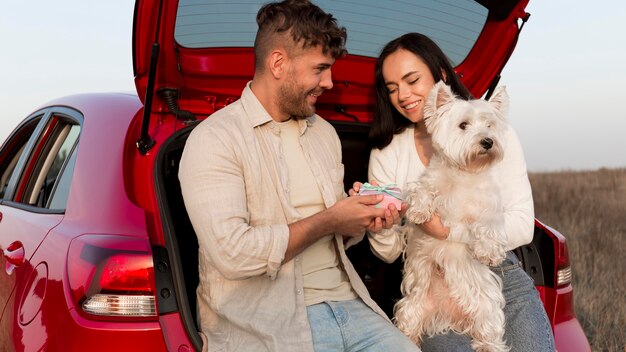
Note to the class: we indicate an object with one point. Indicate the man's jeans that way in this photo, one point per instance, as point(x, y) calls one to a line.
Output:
point(353, 326)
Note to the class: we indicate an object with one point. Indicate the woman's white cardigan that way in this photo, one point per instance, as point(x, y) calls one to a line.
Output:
point(399, 163)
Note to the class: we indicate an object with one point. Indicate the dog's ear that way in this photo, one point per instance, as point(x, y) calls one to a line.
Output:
point(500, 101)
point(439, 96)
point(443, 94)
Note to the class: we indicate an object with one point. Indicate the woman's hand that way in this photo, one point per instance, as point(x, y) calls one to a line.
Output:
point(356, 187)
point(435, 228)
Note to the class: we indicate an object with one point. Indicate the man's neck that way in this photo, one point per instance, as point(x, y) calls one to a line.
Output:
point(266, 94)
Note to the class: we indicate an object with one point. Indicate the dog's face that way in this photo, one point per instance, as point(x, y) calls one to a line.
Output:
point(466, 134)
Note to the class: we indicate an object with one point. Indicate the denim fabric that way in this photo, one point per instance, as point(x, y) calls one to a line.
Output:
point(353, 326)
point(527, 325)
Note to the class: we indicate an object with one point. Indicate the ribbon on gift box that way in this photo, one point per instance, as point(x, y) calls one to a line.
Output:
point(390, 189)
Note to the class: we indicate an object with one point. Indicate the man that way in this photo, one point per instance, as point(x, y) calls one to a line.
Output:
point(262, 181)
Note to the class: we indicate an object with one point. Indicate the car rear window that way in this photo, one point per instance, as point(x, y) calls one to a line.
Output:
point(454, 24)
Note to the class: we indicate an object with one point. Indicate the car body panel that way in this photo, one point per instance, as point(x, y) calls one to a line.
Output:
point(19, 225)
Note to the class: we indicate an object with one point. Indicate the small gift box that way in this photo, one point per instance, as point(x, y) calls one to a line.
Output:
point(392, 194)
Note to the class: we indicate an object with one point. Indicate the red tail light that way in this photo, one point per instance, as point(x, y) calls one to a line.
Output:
point(563, 268)
point(128, 273)
point(563, 253)
point(112, 277)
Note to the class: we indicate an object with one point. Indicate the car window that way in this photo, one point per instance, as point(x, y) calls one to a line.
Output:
point(8, 172)
point(62, 188)
point(52, 157)
point(12, 151)
point(453, 25)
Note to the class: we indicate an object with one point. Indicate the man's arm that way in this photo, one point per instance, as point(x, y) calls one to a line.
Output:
point(214, 190)
point(349, 217)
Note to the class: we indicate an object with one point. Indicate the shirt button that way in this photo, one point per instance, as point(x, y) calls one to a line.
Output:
point(297, 259)
point(299, 291)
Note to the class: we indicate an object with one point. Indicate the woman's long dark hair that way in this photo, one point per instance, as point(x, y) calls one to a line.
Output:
point(387, 120)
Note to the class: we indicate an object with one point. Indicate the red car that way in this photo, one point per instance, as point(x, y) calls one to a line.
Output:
point(98, 251)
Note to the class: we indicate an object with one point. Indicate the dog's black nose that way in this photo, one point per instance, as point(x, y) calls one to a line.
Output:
point(486, 143)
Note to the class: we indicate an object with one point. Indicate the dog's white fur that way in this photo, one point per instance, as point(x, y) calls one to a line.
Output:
point(447, 284)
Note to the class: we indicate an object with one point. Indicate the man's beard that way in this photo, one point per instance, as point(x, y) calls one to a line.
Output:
point(293, 99)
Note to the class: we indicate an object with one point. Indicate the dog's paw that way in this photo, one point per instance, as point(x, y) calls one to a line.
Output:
point(491, 346)
point(487, 247)
point(489, 260)
point(419, 210)
point(417, 216)
point(488, 255)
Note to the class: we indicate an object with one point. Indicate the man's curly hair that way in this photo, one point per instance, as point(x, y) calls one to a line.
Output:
point(308, 25)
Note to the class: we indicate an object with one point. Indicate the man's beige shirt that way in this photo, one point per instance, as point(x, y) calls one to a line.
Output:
point(233, 177)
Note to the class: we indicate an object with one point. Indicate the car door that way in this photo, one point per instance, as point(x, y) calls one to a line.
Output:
point(31, 164)
point(13, 157)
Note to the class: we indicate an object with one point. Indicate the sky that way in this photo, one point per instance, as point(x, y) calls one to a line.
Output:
point(565, 79)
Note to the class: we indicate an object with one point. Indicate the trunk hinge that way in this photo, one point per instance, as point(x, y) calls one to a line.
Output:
point(145, 143)
point(169, 95)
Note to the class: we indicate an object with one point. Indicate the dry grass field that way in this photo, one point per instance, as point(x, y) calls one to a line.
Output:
point(589, 208)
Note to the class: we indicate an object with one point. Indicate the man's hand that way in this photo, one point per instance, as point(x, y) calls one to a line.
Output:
point(354, 215)
point(349, 217)
point(392, 214)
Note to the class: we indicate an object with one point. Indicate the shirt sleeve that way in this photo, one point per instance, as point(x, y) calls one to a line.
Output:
point(214, 192)
point(519, 217)
point(388, 244)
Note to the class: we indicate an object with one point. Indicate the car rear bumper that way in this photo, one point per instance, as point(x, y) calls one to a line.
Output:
point(570, 337)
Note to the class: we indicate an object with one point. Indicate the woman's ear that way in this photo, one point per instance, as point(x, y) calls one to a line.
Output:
point(444, 76)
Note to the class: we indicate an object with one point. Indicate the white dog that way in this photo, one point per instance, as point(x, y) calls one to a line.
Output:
point(447, 284)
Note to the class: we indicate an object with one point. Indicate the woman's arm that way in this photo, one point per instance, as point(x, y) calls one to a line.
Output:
point(517, 198)
point(386, 244)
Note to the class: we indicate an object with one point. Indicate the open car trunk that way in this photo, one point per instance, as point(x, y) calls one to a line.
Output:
point(381, 279)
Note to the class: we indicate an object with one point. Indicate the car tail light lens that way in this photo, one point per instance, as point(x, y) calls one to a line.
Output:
point(120, 305)
point(564, 276)
point(564, 270)
point(112, 277)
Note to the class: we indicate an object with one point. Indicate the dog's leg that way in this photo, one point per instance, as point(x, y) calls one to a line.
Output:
point(479, 293)
point(488, 328)
point(488, 241)
point(420, 200)
point(409, 316)
point(410, 311)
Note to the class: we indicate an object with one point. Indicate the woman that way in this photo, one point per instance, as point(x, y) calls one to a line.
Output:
point(406, 71)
